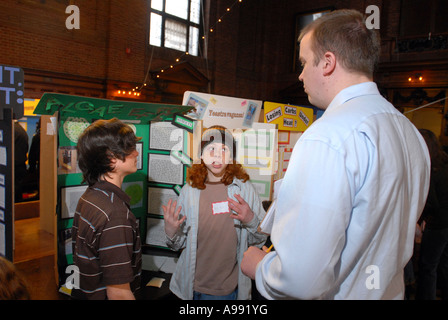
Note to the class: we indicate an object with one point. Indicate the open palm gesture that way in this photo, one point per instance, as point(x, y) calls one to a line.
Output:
point(171, 217)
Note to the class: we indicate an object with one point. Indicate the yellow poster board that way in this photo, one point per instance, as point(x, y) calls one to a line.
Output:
point(29, 105)
point(288, 117)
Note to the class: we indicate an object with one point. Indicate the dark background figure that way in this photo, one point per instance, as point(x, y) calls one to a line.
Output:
point(31, 182)
point(20, 158)
point(433, 260)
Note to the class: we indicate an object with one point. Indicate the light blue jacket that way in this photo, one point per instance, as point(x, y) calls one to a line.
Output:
point(186, 238)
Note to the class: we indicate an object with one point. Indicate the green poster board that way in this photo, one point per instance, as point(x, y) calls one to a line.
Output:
point(148, 120)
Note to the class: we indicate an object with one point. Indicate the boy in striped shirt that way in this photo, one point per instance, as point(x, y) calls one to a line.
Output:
point(106, 238)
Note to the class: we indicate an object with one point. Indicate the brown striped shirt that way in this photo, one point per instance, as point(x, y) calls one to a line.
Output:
point(106, 242)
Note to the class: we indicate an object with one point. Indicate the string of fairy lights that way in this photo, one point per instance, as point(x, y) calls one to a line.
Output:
point(137, 90)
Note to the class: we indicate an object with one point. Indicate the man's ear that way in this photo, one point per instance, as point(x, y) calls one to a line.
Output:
point(329, 63)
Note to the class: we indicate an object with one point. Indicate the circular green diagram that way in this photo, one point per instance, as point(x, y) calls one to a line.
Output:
point(134, 191)
point(73, 127)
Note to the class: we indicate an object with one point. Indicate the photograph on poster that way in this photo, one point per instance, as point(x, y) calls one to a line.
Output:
point(65, 241)
point(162, 170)
point(165, 136)
point(68, 160)
point(250, 114)
point(157, 197)
point(69, 200)
point(199, 104)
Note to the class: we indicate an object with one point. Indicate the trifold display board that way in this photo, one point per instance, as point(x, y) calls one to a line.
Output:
point(256, 142)
point(291, 121)
point(165, 151)
point(11, 106)
point(170, 143)
point(6, 185)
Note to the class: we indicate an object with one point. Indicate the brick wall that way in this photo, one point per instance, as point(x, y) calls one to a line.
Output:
point(38, 39)
point(250, 53)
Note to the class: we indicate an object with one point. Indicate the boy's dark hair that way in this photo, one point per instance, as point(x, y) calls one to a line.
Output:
point(101, 142)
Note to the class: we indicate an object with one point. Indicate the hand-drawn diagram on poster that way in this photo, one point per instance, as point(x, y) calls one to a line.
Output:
point(134, 190)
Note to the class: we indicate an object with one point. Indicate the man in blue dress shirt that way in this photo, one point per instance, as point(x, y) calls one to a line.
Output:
point(356, 183)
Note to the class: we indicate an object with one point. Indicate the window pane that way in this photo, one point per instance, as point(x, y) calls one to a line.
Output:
point(157, 4)
point(155, 32)
point(175, 35)
point(195, 11)
point(178, 8)
point(193, 43)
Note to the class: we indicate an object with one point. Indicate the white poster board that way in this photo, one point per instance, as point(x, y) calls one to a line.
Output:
point(257, 152)
point(256, 142)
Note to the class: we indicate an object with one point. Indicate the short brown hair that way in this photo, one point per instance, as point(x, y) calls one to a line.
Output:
point(345, 34)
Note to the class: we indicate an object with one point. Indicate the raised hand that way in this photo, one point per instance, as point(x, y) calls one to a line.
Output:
point(244, 212)
point(171, 217)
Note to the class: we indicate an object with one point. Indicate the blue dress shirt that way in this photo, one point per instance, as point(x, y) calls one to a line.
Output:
point(348, 205)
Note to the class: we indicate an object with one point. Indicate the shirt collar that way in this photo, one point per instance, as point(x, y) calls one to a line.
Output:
point(111, 188)
point(361, 89)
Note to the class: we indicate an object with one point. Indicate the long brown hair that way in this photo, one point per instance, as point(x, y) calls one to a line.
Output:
point(438, 157)
point(197, 174)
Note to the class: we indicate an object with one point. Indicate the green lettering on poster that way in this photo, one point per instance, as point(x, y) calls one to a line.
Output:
point(95, 108)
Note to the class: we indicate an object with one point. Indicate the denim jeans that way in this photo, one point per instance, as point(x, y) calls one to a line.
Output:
point(203, 296)
point(433, 262)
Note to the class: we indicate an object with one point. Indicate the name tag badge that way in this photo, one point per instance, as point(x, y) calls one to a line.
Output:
point(220, 207)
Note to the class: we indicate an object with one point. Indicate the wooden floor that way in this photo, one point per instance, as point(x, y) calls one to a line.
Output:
point(34, 259)
point(34, 256)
